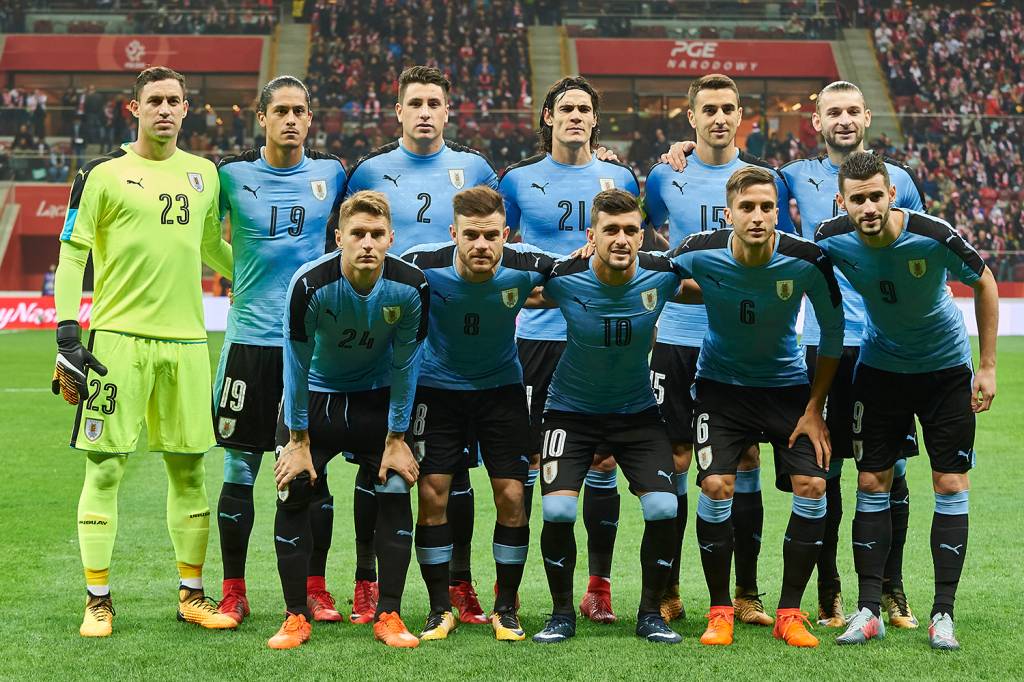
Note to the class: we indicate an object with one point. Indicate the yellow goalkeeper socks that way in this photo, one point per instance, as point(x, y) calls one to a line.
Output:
point(97, 515)
point(188, 514)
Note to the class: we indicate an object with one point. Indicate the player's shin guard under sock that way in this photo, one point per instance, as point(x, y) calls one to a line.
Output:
point(188, 512)
point(828, 569)
point(293, 542)
point(655, 562)
point(235, 509)
point(434, 554)
point(393, 541)
point(97, 515)
point(510, 547)
point(364, 516)
point(528, 488)
point(601, 519)
point(460, 517)
point(949, 547)
point(748, 525)
point(899, 506)
point(872, 535)
point(680, 525)
point(321, 522)
point(715, 540)
point(558, 548)
point(800, 548)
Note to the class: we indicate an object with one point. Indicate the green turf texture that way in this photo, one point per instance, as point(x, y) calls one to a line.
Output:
point(42, 586)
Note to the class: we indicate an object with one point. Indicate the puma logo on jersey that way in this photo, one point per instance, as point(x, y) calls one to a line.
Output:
point(582, 304)
point(334, 315)
point(136, 182)
point(716, 281)
point(444, 299)
point(306, 284)
point(816, 183)
point(679, 187)
point(392, 179)
point(540, 187)
point(855, 267)
point(247, 188)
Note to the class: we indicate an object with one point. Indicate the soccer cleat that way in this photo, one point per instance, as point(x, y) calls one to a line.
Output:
point(364, 602)
point(940, 633)
point(556, 630)
point(861, 627)
point(895, 604)
point(320, 602)
point(99, 616)
point(830, 609)
point(507, 627)
point(234, 603)
point(293, 633)
point(195, 607)
point(750, 608)
point(438, 626)
point(720, 626)
point(671, 605)
point(789, 627)
point(596, 604)
point(390, 629)
point(652, 627)
point(465, 602)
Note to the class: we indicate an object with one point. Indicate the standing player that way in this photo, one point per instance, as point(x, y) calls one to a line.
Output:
point(419, 174)
point(471, 380)
point(355, 323)
point(548, 202)
point(148, 212)
point(279, 198)
point(842, 117)
point(915, 360)
point(694, 201)
point(751, 379)
point(600, 395)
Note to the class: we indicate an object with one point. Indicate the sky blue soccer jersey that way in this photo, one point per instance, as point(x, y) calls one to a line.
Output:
point(278, 222)
point(752, 311)
point(605, 368)
point(693, 200)
point(338, 340)
point(420, 188)
point(814, 184)
point(471, 337)
point(548, 204)
point(912, 323)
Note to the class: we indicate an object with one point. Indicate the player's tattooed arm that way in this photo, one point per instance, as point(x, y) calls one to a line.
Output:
point(986, 309)
point(294, 460)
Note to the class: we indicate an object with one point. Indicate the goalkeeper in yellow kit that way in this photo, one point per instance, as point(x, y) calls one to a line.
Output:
point(149, 213)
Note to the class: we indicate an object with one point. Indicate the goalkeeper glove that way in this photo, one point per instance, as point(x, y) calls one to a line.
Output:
point(73, 361)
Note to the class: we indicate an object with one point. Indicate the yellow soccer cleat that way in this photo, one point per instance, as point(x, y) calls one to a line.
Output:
point(195, 607)
point(507, 627)
point(894, 602)
point(830, 610)
point(750, 609)
point(438, 626)
point(671, 606)
point(99, 617)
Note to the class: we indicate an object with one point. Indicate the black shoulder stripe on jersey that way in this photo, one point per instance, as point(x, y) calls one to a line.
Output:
point(532, 261)
point(536, 158)
point(927, 226)
point(813, 254)
point(570, 266)
point(248, 155)
point(83, 175)
point(627, 167)
point(384, 149)
point(305, 288)
point(428, 260)
point(651, 169)
point(397, 270)
point(656, 263)
point(456, 147)
point(913, 178)
point(701, 241)
point(832, 227)
point(761, 163)
point(790, 163)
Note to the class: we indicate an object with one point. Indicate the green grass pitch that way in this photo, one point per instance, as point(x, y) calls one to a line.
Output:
point(42, 586)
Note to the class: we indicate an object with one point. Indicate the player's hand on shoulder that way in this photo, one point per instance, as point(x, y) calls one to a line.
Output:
point(813, 426)
point(676, 154)
point(605, 154)
point(294, 460)
point(73, 361)
point(983, 390)
point(398, 458)
point(585, 251)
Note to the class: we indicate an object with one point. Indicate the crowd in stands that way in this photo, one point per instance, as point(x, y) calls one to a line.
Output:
point(206, 18)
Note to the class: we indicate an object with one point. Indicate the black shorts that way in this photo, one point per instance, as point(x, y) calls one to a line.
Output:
point(639, 443)
point(354, 422)
point(247, 396)
point(446, 423)
point(884, 401)
point(673, 370)
point(539, 359)
point(839, 408)
point(729, 418)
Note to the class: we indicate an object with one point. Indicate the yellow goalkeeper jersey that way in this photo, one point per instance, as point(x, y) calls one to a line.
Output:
point(149, 225)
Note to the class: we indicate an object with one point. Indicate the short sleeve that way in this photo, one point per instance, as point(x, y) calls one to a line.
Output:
point(85, 209)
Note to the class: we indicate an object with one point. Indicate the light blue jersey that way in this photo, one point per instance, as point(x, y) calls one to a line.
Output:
point(278, 222)
point(693, 200)
point(752, 311)
point(605, 368)
point(814, 184)
point(912, 323)
point(338, 340)
point(548, 204)
point(420, 188)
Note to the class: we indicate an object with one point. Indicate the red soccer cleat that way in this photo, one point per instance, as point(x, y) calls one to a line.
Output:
point(234, 603)
point(319, 601)
point(364, 602)
point(597, 602)
point(464, 600)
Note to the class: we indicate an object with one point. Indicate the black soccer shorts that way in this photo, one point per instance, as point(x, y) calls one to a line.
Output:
point(247, 396)
point(673, 371)
point(539, 359)
point(884, 401)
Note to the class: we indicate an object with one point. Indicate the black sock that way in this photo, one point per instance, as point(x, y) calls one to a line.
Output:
point(510, 548)
point(680, 529)
point(872, 535)
point(293, 542)
point(601, 519)
point(949, 549)
point(558, 548)
point(799, 554)
point(321, 521)
point(235, 516)
point(531, 483)
point(655, 562)
point(364, 516)
point(460, 518)
point(392, 541)
point(828, 569)
point(899, 506)
point(748, 524)
point(715, 542)
point(433, 552)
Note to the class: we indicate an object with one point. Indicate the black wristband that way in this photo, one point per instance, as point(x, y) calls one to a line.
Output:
point(69, 333)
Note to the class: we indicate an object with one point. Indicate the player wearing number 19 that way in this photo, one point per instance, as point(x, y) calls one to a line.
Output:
point(148, 212)
point(279, 198)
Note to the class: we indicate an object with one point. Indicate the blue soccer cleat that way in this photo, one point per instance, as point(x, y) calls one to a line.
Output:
point(556, 630)
point(652, 627)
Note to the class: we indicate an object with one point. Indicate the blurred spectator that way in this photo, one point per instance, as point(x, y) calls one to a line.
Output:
point(48, 279)
point(755, 141)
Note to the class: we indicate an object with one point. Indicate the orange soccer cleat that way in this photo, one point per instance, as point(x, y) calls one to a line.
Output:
point(390, 629)
point(294, 632)
point(789, 627)
point(720, 626)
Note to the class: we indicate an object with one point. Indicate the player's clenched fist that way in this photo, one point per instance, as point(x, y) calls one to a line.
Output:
point(73, 360)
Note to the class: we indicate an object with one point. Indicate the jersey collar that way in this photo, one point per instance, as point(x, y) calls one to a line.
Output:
point(695, 160)
point(281, 171)
point(557, 164)
point(421, 157)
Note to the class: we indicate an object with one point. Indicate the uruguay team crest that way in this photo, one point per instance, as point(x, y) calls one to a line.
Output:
point(550, 471)
point(196, 180)
point(93, 429)
point(784, 288)
point(918, 266)
point(391, 313)
point(650, 298)
point(458, 177)
point(226, 427)
point(607, 183)
point(510, 297)
point(858, 449)
point(704, 457)
point(319, 188)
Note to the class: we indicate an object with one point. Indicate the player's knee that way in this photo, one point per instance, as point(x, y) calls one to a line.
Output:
point(659, 506)
point(559, 508)
point(751, 457)
point(395, 484)
point(949, 484)
point(875, 481)
point(682, 455)
point(185, 472)
point(241, 468)
point(718, 487)
point(104, 472)
point(809, 486)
